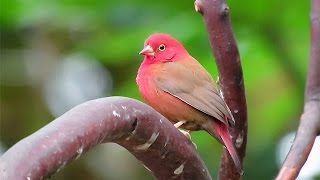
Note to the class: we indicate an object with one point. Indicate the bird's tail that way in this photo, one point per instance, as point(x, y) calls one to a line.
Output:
point(223, 131)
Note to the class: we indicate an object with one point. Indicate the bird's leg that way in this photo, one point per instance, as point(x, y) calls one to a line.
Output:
point(178, 124)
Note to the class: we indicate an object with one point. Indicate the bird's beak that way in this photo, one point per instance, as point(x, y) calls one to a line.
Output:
point(147, 51)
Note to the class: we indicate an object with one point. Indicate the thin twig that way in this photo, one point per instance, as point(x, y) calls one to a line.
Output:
point(216, 18)
point(151, 138)
point(309, 126)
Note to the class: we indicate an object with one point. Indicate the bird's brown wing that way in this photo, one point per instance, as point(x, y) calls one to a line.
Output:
point(194, 86)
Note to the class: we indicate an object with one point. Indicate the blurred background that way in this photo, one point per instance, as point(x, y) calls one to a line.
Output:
point(58, 54)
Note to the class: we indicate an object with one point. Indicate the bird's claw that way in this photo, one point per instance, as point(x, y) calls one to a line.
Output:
point(187, 134)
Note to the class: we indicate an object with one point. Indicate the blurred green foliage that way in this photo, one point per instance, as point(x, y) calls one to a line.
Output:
point(273, 38)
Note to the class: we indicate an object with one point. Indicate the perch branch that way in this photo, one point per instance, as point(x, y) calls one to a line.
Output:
point(216, 18)
point(145, 133)
point(309, 126)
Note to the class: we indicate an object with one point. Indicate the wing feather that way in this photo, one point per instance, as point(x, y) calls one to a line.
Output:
point(194, 86)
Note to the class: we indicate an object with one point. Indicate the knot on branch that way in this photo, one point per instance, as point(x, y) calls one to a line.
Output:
point(197, 6)
point(133, 129)
point(224, 10)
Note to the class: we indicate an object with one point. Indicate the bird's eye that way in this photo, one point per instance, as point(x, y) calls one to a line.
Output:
point(162, 47)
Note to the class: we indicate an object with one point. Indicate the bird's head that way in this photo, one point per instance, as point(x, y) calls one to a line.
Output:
point(160, 48)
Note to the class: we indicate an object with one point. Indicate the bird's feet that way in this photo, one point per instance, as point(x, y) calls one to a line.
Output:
point(184, 132)
point(188, 135)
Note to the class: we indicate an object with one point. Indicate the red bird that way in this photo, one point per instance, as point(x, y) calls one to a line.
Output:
point(177, 86)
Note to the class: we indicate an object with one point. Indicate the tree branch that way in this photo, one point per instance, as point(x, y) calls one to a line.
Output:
point(216, 18)
point(309, 126)
point(145, 133)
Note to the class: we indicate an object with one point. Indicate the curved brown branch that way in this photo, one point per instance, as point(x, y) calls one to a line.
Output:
point(309, 126)
point(216, 18)
point(145, 133)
